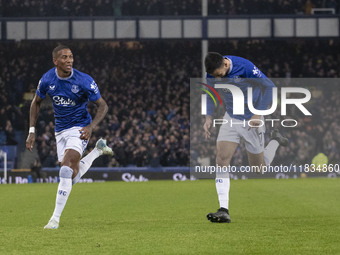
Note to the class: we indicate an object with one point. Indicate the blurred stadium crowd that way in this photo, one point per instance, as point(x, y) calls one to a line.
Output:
point(35, 8)
point(146, 85)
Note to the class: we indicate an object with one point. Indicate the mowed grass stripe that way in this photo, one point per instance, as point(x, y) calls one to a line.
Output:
point(298, 216)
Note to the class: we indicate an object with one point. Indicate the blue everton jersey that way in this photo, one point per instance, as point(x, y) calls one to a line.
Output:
point(69, 97)
point(242, 73)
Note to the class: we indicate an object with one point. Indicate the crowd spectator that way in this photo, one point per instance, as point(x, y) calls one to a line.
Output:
point(10, 135)
point(36, 170)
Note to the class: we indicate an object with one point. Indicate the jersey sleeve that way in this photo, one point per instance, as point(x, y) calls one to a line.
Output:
point(263, 81)
point(42, 88)
point(210, 103)
point(92, 89)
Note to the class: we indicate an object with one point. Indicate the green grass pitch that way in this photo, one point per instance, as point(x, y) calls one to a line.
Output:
point(293, 216)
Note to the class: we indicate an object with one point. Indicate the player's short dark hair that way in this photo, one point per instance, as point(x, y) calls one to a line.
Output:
point(57, 49)
point(212, 61)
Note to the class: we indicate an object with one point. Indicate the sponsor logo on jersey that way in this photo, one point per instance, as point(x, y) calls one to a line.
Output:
point(51, 87)
point(58, 100)
point(75, 88)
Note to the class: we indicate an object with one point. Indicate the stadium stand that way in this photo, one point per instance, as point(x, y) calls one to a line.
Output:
point(26, 8)
point(146, 85)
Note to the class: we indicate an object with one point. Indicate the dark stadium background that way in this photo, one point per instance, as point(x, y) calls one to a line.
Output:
point(146, 81)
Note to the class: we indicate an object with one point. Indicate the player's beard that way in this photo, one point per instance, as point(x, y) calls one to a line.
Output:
point(66, 71)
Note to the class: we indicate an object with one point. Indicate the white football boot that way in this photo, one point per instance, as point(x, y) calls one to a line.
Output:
point(52, 224)
point(101, 145)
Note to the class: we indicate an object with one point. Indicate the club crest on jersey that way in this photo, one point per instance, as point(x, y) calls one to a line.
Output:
point(51, 87)
point(75, 88)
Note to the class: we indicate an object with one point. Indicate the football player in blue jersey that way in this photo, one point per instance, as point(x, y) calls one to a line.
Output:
point(70, 91)
point(239, 70)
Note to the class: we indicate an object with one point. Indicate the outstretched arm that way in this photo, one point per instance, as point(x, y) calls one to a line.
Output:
point(34, 113)
point(101, 112)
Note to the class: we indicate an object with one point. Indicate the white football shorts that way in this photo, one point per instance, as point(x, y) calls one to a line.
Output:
point(253, 139)
point(70, 139)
